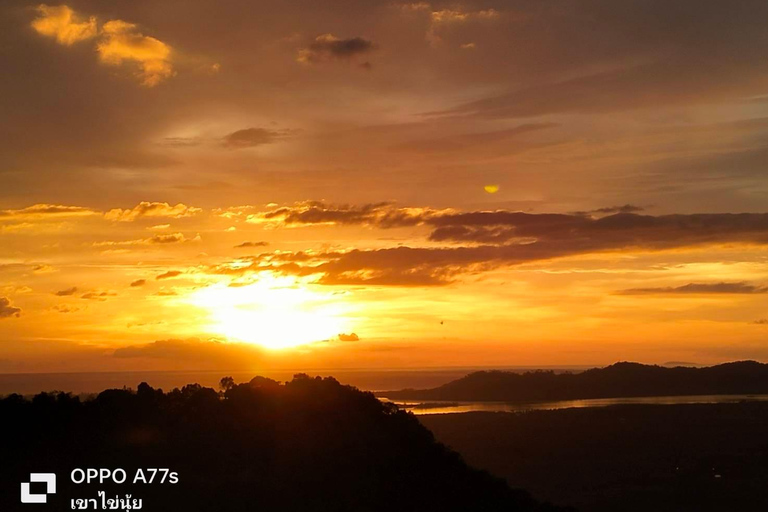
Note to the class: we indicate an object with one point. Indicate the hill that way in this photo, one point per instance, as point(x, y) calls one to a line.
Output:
point(618, 380)
point(309, 444)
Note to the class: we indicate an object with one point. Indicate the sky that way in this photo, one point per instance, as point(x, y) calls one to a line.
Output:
point(193, 184)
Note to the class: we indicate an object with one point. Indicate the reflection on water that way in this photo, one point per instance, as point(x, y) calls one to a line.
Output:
point(443, 407)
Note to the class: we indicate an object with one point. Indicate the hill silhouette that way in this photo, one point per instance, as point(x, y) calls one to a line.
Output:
point(308, 444)
point(616, 381)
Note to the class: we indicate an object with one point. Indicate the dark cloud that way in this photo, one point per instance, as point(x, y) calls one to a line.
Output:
point(138, 282)
point(250, 138)
point(504, 238)
point(168, 239)
point(65, 308)
point(610, 210)
point(99, 296)
point(67, 292)
point(622, 230)
point(761, 321)
point(700, 288)
point(246, 245)
point(171, 348)
point(327, 46)
point(349, 337)
point(7, 310)
point(614, 230)
point(168, 275)
point(229, 355)
point(627, 208)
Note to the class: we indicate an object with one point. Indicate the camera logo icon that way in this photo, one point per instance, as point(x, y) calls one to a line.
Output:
point(50, 487)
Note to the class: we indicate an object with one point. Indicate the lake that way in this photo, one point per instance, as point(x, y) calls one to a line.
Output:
point(450, 407)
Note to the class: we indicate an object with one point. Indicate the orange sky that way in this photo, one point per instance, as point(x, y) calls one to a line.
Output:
point(204, 185)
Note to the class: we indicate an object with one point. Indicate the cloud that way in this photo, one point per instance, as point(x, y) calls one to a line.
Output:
point(119, 42)
point(45, 211)
point(170, 348)
point(414, 7)
point(138, 282)
point(565, 233)
point(182, 142)
point(122, 42)
point(251, 137)
point(215, 353)
point(700, 288)
point(496, 238)
point(761, 321)
point(43, 269)
point(349, 337)
point(63, 24)
point(169, 275)
point(67, 292)
point(444, 18)
point(99, 296)
point(622, 230)
point(66, 308)
point(382, 214)
point(235, 212)
point(7, 310)
point(151, 209)
point(245, 245)
point(400, 266)
point(15, 289)
point(453, 16)
point(329, 47)
point(610, 210)
point(173, 238)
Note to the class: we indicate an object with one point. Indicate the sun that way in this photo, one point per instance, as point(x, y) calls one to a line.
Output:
point(274, 312)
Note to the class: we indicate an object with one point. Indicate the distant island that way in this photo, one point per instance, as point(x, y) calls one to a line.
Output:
point(619, 380)
point(310, 444)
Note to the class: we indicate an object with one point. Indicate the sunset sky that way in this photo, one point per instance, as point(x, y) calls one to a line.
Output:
point(197, 184)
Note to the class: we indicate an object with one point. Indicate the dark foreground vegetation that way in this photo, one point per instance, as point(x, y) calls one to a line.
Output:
point(308, 445)
point(615, 381)
point(628, 458)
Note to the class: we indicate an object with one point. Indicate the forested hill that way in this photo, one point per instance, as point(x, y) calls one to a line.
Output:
point(311, 444)
point(618, 380)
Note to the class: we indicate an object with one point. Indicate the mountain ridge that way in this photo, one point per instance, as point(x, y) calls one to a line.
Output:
point(619, 380)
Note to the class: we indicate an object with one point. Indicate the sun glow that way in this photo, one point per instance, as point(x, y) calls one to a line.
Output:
point(272, 312)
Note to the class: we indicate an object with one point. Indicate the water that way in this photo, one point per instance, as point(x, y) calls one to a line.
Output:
point(444, 407)
point(370, 380)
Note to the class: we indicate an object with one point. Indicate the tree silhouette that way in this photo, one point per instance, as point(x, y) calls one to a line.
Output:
point(308, 444)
